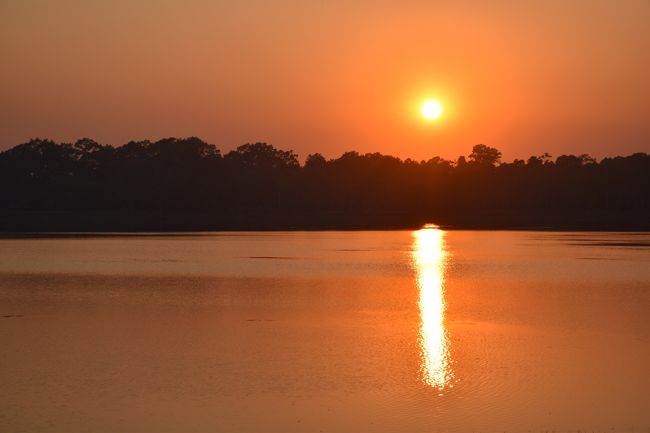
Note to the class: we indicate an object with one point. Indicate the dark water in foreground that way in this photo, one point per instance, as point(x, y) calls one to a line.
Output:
point(326, 331)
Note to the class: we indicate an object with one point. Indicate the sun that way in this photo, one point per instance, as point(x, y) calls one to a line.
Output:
point(431, 109)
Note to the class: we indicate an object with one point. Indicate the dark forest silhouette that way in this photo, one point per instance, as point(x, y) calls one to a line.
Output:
point(187, 184)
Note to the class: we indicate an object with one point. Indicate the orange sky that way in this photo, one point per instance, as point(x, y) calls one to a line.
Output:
point(330, 76)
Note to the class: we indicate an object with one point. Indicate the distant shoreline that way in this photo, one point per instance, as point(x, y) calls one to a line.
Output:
point(186, 185)
point(124, 223)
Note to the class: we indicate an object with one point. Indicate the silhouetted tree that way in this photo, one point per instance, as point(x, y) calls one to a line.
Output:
point(315, 161)
point(568, 161)
point(485, 155)
point(263, 156)
point(538, 161)
point(258, 184)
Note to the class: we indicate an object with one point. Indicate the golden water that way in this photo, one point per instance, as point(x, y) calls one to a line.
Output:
point(326, 331)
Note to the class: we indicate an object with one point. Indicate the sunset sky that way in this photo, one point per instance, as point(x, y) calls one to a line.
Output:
point(331, 76)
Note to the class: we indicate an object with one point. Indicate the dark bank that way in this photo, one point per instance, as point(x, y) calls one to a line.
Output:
point(187, 185)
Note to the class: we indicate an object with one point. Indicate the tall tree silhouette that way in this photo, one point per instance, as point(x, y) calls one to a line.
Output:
point(485, 155)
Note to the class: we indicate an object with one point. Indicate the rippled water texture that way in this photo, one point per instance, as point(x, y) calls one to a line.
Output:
point(424, 331)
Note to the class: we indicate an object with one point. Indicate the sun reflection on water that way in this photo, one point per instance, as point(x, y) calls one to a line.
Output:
point(429, 257)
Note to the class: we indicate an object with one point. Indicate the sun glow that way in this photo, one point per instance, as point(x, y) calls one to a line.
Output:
point(429, 259)
point(431, 109)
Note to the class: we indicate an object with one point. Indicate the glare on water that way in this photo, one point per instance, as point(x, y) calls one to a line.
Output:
point(429, 260)
point(326, 331)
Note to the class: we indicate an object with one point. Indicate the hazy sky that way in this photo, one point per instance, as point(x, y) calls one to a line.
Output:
point(330, 76)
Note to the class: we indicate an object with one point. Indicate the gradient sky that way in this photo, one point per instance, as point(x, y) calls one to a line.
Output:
point(330, 76)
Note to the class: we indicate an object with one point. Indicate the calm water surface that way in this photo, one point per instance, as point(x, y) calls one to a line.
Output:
point(421, 331)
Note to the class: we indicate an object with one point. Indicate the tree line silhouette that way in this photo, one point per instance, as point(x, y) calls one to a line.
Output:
point(187, 184)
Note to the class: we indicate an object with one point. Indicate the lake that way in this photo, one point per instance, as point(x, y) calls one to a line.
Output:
point(384, 331)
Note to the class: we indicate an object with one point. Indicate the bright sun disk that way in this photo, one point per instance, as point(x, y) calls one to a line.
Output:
point(431, 110)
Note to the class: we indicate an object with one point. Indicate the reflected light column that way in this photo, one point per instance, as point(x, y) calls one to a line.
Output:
point(429, 258)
